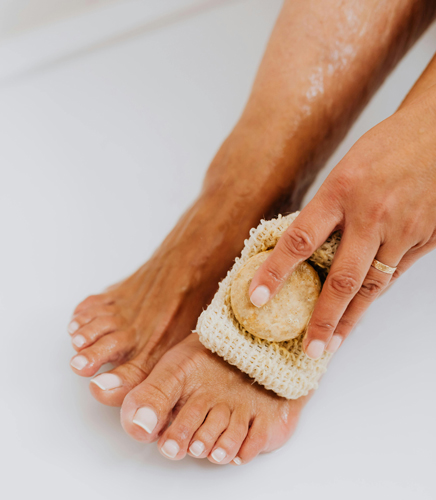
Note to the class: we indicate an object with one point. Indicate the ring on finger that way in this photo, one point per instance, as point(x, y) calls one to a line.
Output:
point(383, 267)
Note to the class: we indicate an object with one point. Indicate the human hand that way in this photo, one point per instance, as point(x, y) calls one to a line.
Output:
point(382, 196)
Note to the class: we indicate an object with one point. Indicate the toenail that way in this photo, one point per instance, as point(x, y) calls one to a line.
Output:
point(79, 362)
point(107, 381)
point(260, 296)
point(315, 349)
point(170, 448)
point(219, 455)
point(79, 340)
point(146, 418)
point(72, 327)
point(334, 344)
point(197, 448)
point(237, 461)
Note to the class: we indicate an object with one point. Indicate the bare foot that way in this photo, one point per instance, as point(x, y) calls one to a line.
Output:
point(216, 411)
point(133, 323)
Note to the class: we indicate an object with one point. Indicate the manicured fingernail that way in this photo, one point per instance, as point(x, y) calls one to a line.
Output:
point(237, 461)
point(260, 296)
point(79, 362)
point(79, 340)
point(219, 455)
point(197, 448)
point(72, 327)
point(334, 344)
point(170, 448)
point(107, 381)
point(146, 418)
point(315, 349)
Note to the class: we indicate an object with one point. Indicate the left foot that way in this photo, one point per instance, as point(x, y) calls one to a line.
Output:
point(215, 410)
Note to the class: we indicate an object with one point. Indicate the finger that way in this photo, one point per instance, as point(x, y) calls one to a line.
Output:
point(307, 233)
point(372, 287)
point(350, 266)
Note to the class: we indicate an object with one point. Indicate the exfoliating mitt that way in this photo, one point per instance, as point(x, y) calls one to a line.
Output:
point(282, 367)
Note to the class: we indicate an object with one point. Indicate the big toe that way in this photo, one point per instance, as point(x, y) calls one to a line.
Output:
point(147, 409)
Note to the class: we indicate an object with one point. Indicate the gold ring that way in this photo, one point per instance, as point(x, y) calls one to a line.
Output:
point(383, 267)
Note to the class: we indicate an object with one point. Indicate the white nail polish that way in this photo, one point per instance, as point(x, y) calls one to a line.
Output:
point(170, 448)
point(334, 344)
point(260, 296)
point(197, 448)
point(146, 418)
point(219, 455)
point(107, 381)
point(79, 340)
point(79, 362)
point(73, 327)
point(315, 349)
point(237, 461)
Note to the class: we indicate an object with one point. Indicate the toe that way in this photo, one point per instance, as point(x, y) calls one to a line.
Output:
point(257, 441)
point(94, 300)
point(90, 333)
point(174, 442)
point(207, 435)
point(131, 373)
point(147, 409)
point(109, 349)
point(228, 444)
point(89, 314)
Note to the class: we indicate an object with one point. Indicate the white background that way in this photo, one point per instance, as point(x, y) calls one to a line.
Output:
point(107, 122)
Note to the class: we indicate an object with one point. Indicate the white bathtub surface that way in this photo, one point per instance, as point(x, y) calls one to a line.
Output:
point(101, 151)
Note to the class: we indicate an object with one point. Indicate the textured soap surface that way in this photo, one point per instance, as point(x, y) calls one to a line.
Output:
point(287, 314)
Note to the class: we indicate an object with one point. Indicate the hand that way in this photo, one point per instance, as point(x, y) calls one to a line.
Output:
point(382, 196)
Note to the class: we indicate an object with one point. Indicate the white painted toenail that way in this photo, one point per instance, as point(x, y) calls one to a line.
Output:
point(237, 461)
point(197, 448)
point(73, 327)
point(79, 340)
point(79, 362)
point(107, 381)
point(219, 455)
point(146, 418)
point(170, 448)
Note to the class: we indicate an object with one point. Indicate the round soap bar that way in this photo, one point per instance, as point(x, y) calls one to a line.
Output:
point(286, 315)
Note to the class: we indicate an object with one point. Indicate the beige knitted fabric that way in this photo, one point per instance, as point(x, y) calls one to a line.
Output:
point(279, 366)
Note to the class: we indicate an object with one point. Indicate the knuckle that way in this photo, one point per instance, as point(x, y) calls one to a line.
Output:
point(180, 431)
point(343, 283)
point(297, 242)
point(326, 327)
point(206, 436)
point(274, 274)
point(230, 442)
point(371, 288)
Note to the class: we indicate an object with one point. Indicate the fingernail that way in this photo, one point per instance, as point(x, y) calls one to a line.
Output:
point(334, 344)
point(315, 349)
point(219, 455)
point(107, 381)
point(146, 418)
point(237, 461)
point(197, 448)
point(260, 296)
point(79, 340)
point(79, 362)
point(72, 327)
point(170, 448)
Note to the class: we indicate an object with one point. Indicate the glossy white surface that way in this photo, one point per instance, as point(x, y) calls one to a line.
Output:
point(100, 153)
